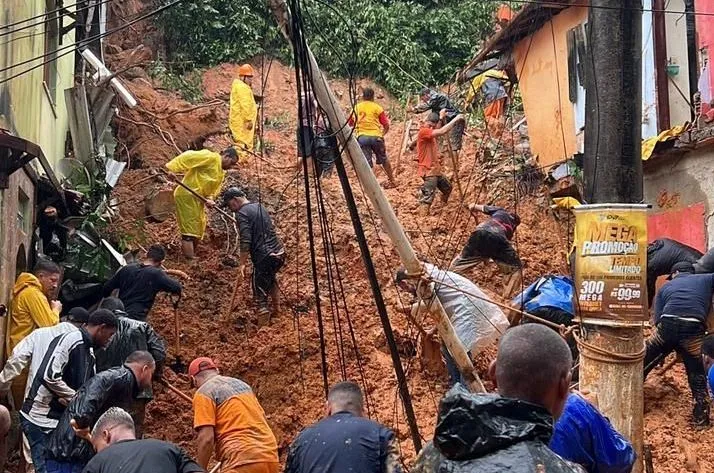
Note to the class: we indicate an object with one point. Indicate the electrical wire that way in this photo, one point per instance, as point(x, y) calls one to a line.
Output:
point(566, 4)
point(46, 14)
point(77, 46)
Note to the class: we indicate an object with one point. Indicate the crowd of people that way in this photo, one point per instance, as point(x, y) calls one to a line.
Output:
point(81, 382)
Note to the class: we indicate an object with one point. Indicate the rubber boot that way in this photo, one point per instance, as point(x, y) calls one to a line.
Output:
point(700, 414)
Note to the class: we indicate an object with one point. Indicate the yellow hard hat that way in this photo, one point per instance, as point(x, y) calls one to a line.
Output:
point(246, 70)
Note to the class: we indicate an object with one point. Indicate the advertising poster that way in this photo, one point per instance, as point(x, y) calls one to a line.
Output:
point(611, 262)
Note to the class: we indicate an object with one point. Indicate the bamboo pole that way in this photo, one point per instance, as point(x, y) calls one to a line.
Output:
point(455, 166)
point(328, 102)
point(405, 139)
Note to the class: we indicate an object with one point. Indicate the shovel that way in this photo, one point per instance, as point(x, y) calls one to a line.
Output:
point(178, 366)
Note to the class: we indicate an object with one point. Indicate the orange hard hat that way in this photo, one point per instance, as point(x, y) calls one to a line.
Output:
point(246, 70)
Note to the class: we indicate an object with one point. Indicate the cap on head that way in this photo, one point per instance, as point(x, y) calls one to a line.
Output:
point(103, 317)
point(424, 91)
point(78, 314)
point(231, 193)
point(246, 70)
point(433, 117)
point(202, 363)
point(682, 267)
point(401, 274)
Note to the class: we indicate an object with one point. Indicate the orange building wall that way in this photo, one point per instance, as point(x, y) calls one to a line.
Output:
point(550, 117)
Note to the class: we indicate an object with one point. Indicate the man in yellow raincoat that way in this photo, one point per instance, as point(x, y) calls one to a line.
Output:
point(32, 307)
point(204, 175)
point(243, 112)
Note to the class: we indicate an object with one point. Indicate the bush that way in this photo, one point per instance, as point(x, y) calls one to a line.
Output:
point(385, 40)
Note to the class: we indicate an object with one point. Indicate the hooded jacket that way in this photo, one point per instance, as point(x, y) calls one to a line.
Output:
point(115, 387)
point(131, 335)
point(29, 309)
point(486, 433)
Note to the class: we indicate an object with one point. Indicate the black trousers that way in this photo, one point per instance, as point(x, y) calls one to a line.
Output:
point(264, 277)
point(684, 337)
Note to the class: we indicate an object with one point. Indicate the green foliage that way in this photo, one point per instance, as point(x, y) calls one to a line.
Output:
point(386, 40)
point(186, 82)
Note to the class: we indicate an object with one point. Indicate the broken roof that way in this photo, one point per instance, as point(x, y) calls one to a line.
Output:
point(524, 23)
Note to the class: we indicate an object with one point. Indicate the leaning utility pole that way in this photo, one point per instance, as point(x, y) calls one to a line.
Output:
point(328, 102)
point(611, 363)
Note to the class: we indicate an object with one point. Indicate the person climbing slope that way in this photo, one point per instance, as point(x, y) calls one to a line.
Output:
point(371, 124)
point(662, 255)
point(259, 240)
point(204, 174)
point(139, 283)
point(243, 111)
point(430, 168)
point(492, 240)
point(436, 102)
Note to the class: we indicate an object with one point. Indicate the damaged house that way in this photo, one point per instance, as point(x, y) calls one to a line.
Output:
point(546, 43)
point(56, 104)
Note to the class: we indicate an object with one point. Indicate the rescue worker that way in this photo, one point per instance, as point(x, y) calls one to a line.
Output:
point(680, 312)
point(662, 255)
point(33, 305)
point(370, 124)
point(344, 440)
point(66, 366)
point(436, 102)
point(229, 420)
point(132, 335)
point(259, 239)
point(491, 85)
point(204, 174)
point(68, 447)
point(243, 111)
point(509, 431)
point(118, 450)
point(139, 283)
point(492, 240)
point(476, 322)
point(29, 354)
point(430, 167)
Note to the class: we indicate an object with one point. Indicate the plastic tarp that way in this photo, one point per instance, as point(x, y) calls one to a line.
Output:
point(584, 436)
point(486, 433)
point(547, 291)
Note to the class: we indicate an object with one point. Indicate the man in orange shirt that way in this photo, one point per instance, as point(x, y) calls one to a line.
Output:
point(429, 160)
point(227, 414)
point(371, 124)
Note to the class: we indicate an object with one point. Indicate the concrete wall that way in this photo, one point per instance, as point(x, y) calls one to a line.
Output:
point(676, 27)
point(675, 183)
point(543, 84)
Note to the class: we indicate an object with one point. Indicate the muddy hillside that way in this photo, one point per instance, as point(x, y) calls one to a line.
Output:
point(281, 361)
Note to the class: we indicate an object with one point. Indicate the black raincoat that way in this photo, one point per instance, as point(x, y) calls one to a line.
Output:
point(114, 387)
point(662, 254)
point(485, 433)
point(132, 335)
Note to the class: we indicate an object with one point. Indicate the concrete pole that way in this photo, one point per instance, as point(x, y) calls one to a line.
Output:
point(613, 174)
point(328, 102)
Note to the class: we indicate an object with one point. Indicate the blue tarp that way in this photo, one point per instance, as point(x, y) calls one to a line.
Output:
point(584, 436)
point(547, 291)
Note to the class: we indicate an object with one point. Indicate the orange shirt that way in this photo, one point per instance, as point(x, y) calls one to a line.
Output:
point(241, 430)
point(427, 153)
point(370, 119)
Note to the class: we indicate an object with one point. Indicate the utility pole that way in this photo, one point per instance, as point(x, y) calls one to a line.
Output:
point(613, 174)
point(328, 102)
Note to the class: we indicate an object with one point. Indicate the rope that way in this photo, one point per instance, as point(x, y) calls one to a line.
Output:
point(594, 352)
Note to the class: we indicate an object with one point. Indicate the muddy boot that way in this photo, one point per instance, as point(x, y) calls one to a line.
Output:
point(445, 196)
point(700, 414)
point(263, 316)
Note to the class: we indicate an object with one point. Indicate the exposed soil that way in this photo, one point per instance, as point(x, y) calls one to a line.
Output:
point(282, 361)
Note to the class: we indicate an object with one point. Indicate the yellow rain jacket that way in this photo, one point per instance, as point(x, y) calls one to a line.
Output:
point(29, 310)
point(243, 113)
point(204, 175)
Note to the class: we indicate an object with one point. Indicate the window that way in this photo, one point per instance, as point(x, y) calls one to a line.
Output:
point(24, 213)
point(52, 39)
